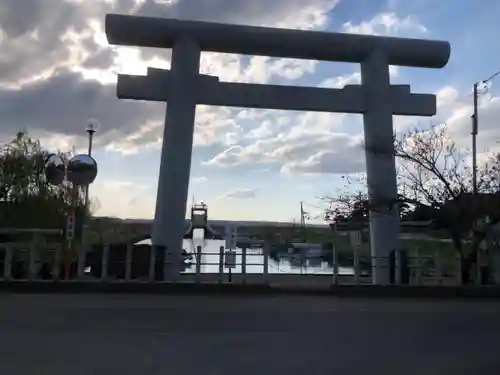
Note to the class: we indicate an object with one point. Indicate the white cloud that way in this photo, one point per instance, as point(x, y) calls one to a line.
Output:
point(460, 124)
point(386, 24)
point(122, 198)
point(262, 68)
point(239, 194)
point(199, 180)
point(446, 96)
point(308, 148)
point(216, 125)
point(313, 152)
point(69, 38)
point(310, 143)
point(57, 70)
point(89, 56)
point(339, 82)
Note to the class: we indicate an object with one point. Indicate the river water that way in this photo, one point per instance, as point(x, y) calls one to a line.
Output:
point(284, 264)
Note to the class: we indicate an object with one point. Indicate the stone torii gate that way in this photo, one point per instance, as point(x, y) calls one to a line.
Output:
point(183, 87)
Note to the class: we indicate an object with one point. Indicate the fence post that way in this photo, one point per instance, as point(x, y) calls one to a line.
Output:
point(31, 261)
point(439, 267)
point(496, 268)
point(221, 264)
point(244, 264)
point(7, 266)
point(398, 266)
point(418, 266)
point(152, 263)
point(265, 253)
point(82, 255)
point(104, 262)
point(198, 263)
point(335, 266)
point(356, 264)
point(479, 271)
point(128, 262)
point(459, 269)
point(56, 265)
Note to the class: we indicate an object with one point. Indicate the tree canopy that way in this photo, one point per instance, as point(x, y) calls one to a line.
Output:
point(27, 200)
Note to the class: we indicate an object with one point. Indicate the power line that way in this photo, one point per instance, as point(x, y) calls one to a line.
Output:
point(492, 77)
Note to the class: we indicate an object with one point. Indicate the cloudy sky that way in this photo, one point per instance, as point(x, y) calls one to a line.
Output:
point(57, 70)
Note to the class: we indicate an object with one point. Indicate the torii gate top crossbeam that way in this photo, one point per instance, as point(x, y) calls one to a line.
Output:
point(264, 41)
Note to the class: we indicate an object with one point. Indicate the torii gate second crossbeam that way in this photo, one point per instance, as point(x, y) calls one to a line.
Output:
point(183, 87)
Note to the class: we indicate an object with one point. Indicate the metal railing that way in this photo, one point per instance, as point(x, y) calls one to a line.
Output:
point(27, 261)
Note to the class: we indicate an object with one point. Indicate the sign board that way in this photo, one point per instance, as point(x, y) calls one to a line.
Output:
point(231, 236)
point(70, 227)
point(230, 259)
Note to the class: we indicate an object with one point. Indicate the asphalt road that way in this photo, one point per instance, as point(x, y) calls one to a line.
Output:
point(144, 334)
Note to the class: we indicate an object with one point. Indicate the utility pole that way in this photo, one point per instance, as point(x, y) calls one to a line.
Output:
point(474, 161)
point(474, 133)
point(302, 215)
point(474, 143)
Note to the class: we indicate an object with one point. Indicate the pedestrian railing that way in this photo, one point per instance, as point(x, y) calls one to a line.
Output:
point(129, 263)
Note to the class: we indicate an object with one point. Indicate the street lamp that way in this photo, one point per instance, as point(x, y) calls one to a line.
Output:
point(81, 170)
point(92, 125)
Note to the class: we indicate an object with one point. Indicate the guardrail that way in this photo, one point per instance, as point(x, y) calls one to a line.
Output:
point(26, 261)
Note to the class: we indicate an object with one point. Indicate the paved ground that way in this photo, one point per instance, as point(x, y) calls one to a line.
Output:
point(104, 334)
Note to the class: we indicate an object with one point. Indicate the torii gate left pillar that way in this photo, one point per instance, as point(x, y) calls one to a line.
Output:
point(175, 163)
point(183, 88)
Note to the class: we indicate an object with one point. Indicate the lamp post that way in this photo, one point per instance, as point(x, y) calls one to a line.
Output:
point(81, 170)
point(91, 127)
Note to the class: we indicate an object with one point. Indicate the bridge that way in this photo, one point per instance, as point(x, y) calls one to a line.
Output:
point(136, 230)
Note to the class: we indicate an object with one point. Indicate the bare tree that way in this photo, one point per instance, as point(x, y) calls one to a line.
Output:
point(434, 172)
point(347, 207)
point(353, 205)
